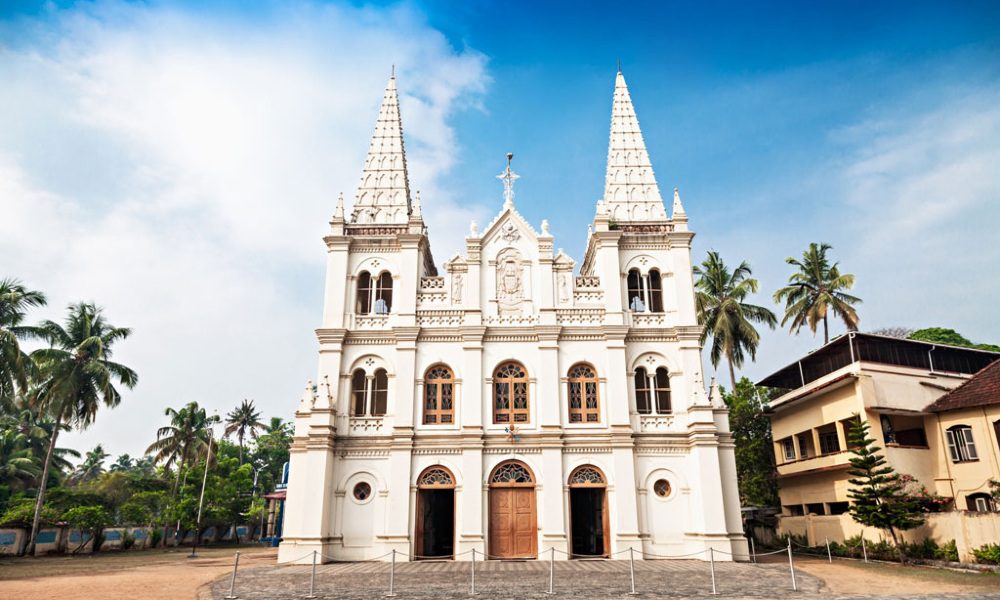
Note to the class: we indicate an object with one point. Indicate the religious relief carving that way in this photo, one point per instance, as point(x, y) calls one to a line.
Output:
point(510, 284)
point(509, 232)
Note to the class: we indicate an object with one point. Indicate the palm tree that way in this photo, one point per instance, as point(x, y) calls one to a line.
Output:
point(279, 426)
point(76, 376)
point(725, 316)
point(815, 290)
point(15, 364)
point(91, 467)
point(244, 418)
point(18, 466)
point(184, 439)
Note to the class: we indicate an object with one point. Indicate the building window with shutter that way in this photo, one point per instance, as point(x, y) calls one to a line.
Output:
point(439, 393)
point(584, 406)
point(961, 446)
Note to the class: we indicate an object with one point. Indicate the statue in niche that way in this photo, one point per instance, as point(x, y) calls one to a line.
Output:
point(563, 288)
point(456, 288)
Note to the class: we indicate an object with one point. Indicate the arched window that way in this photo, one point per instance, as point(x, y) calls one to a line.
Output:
point(642, 402)
point(662, 387)
point(439, 392)
point(652, 391)
point(380, 393)
point(584, 406)
point(655, 288)
point(510, 394)
point(364, 304)
point(636, 293)
point(961, 446)
point(383, 294)
point(359, 392)
point(645, 292)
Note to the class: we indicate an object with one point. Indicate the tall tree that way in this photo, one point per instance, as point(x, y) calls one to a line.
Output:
point(18, 467)
point(879, 499)
point(15, 363)
point(815, 290)
point(244, 419)
point(722, 310)
point(77, 376)
point(755, 470)
point(181, 442)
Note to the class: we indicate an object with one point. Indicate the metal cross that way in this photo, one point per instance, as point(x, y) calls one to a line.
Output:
point(508, 177)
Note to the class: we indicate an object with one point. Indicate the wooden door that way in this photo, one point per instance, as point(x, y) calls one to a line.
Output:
point(513, 533)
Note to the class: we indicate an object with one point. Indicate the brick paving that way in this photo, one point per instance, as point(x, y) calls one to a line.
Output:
point(579, 580)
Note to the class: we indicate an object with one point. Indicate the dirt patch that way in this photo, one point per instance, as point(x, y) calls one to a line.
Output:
point(152, 575)
point(873, 579)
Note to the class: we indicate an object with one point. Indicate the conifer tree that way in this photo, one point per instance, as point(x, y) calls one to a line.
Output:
point(877, 491)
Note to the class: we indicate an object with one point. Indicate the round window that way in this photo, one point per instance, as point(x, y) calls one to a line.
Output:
point(362, 491)
point(661, 488)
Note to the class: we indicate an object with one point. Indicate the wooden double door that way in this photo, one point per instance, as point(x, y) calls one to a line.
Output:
point(513, 529)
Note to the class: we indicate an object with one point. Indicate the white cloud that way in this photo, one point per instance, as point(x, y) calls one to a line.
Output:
point(910, 200)
point(179, 169)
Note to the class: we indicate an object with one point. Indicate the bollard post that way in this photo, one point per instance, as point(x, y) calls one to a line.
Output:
point(864, 550)
point(232, 582)
point(753, 551)
point(631, 569)
point(472, 587)
point(791, 566)
point(392, 576)
point(552, 569)
point(829, 557)
point(312, 579)
point(711, 563)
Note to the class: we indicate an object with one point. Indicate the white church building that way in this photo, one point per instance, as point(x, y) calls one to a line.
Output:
point(514, 401)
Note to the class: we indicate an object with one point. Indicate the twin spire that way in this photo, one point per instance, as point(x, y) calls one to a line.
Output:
point(383, 195)
point(630, 190)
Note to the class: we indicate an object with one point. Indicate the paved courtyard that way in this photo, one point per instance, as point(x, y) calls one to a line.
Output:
point(580, 580)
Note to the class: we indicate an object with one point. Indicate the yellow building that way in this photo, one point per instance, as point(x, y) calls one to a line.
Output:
point(947, 441)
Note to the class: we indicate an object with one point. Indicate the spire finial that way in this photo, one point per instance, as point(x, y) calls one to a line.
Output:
point(619, 65)
point(392, 73)
point(508, 177)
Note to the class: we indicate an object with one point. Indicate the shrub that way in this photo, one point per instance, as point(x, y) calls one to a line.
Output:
point(23, 513)
point(128, 540)
point(155, 537)
point(988, 554)
point(948, 551)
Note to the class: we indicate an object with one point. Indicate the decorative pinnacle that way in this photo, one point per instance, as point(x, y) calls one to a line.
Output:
point(508, 177)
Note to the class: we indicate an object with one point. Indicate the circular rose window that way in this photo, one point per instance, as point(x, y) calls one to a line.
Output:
point(661, 488)
point(362, 491)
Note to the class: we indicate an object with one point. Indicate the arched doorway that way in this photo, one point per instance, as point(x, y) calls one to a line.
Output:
point(513, 529)
point(435, 527)
point(588, 513)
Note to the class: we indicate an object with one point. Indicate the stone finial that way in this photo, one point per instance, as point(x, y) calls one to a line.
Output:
point(678, 208)
point(545, 227)
point(338, 212)
point(473, 229)
point(308, 398)
point(715, 394)
point(416, 204)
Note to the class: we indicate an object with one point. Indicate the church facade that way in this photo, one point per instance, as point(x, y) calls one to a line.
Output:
point(514, 401)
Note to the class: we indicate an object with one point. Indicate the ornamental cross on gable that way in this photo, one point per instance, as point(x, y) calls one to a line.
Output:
point(508, 178)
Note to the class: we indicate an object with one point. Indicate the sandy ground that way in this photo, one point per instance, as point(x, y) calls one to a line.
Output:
point(149, 575)
point(874, 579)
point(170, 575)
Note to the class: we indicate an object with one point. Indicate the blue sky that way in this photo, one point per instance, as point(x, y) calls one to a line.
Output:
point(197, 148)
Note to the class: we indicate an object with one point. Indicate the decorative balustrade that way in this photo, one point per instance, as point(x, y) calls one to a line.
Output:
point(655, 423)
point(440, 318)
point(371, 321)
point(588, 282)
point(365, 425)
point(432, 283)
point(649, 320)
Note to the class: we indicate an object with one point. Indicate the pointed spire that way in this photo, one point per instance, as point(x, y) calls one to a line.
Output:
point(630, 190)
point(384, 191)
